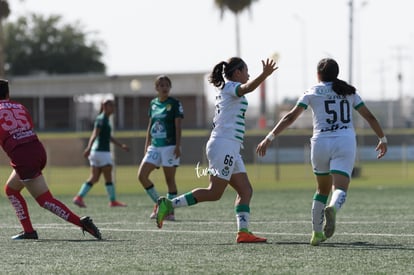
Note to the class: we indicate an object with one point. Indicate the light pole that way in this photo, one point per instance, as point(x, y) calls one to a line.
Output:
point(275, 57)
point(351, 38)
point(357, 169)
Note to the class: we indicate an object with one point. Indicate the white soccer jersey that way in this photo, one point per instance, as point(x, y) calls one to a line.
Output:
point(332, 113)
point(229, 115)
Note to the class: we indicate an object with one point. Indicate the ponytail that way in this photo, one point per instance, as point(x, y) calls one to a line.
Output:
point(226, 68)
point(216, 77)
point(342, 88)
point(328, 71)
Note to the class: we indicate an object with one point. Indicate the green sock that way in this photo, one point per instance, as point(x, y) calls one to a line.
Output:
point(189, 197)
point(152, 193)
point(86, 186)
point(110, 189)
point(170, 196)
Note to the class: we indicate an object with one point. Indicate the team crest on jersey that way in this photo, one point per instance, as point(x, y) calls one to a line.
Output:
point(225, 172)
point(168, 107)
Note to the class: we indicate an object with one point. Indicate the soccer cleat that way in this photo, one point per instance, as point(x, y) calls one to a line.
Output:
point(169, 217)
point(90, 227)
point(164, 209)
point(317, 238)
point(117, 204)
point(248, 237)
point(26, 236)
point(154, 212)
point(79, 201)
point(330, 219)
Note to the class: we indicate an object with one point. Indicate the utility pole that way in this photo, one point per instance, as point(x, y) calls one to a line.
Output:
point(400, 74)
point(404, 106)
point(356, 172)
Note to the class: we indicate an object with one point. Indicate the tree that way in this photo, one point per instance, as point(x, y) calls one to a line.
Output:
point(236, 7)
point(4, 13)
point(35, 44)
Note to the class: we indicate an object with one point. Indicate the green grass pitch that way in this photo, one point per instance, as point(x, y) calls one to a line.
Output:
point(374, 232)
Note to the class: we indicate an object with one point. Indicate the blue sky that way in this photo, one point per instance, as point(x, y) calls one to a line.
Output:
point(165, 36)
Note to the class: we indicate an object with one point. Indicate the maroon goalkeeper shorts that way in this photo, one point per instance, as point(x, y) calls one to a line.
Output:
point(28, 159)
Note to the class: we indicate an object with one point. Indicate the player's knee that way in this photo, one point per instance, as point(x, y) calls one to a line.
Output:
point(9, 191)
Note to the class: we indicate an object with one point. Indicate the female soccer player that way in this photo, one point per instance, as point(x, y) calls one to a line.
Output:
point(223, 148)
point(333, 144)
point(163, 142)
point(99, 153)
point(28, 158)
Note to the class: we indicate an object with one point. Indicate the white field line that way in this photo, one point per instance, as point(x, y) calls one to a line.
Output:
point(111, 227)
point(212, 222)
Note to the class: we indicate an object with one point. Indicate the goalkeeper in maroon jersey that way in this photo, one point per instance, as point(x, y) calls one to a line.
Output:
point(28, 158)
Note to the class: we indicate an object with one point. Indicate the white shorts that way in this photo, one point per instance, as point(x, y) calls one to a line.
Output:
point(333, 155)
point(161, 156)
point(224, 158)
point(100, 159)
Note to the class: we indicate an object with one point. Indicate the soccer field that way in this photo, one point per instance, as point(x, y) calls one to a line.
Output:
point(374, 232)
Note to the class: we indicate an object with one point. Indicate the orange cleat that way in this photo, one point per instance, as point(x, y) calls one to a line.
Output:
point(248, 237)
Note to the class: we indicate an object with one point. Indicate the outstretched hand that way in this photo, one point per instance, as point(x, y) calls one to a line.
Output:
point(269, 66)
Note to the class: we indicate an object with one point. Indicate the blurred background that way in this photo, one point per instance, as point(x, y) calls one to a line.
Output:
point(63, 57)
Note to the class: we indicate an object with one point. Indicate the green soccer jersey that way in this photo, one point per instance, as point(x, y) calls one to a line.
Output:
point(102, 141)
point(163, 115)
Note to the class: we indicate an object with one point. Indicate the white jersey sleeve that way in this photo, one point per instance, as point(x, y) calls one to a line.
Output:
point(229, 117)
point(331, 113)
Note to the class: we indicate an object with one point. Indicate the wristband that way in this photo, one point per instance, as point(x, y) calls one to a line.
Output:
point(383, 139)
point(270, 136)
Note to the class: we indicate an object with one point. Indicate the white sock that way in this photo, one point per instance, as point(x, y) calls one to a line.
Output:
point(242, 220)
point(318, 210)
point(338, 199)
point(179, 201)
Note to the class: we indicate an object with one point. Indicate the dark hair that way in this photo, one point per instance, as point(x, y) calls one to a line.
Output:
point(105, 103)
point(328, 71)
point(4, 88)
point(226, 68)
point(163, 77)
